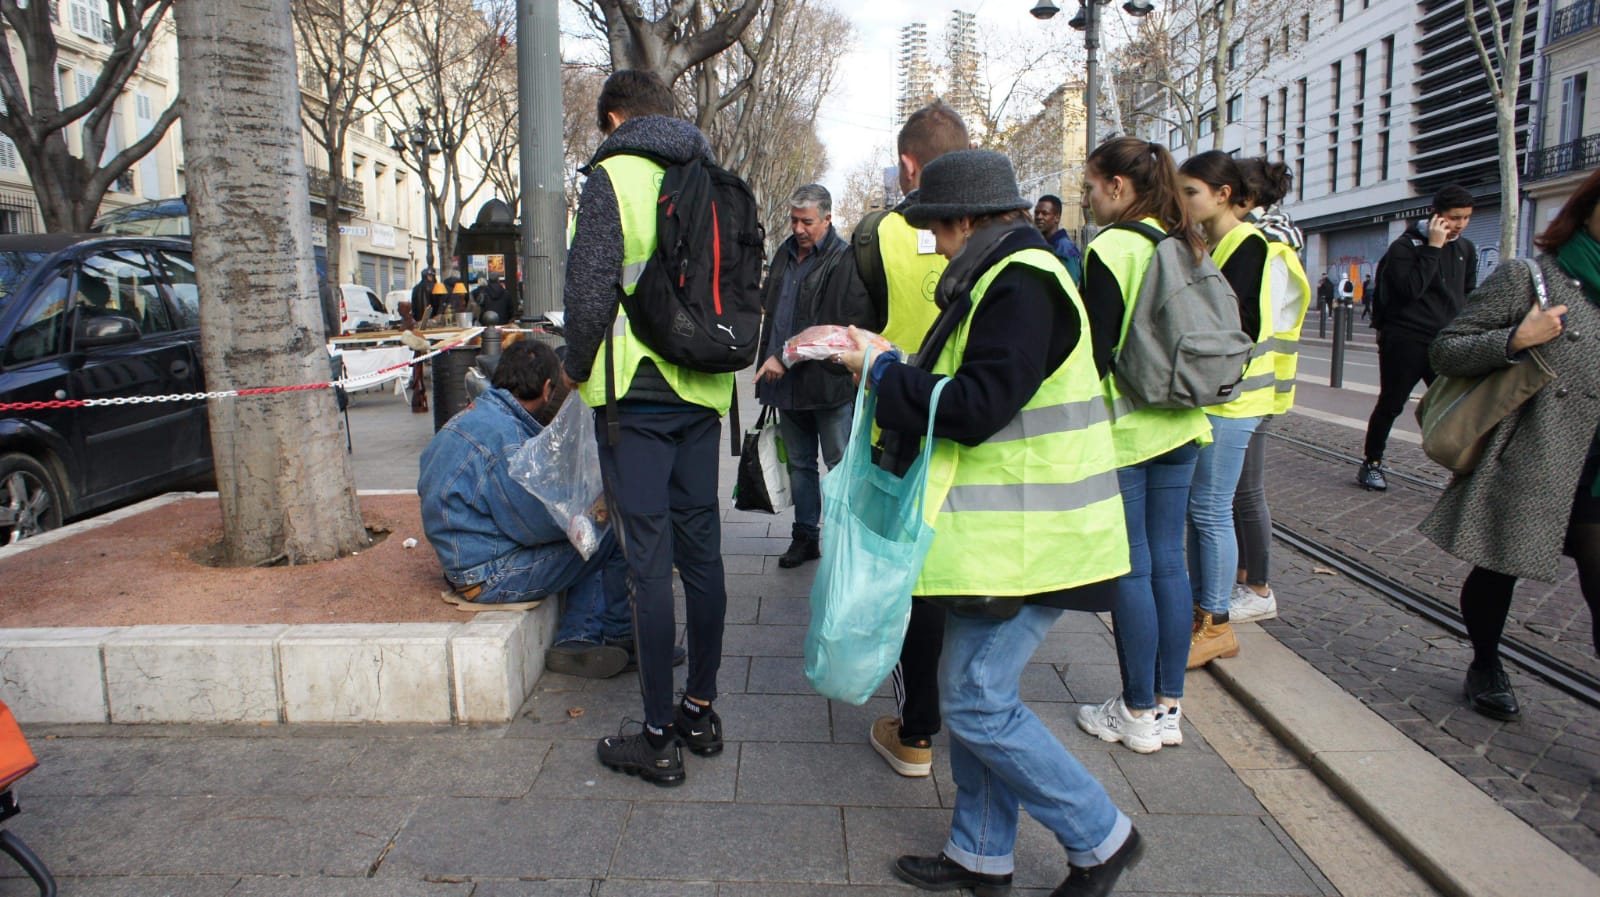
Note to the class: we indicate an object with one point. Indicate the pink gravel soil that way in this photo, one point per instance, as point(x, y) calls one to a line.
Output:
point(139, 571)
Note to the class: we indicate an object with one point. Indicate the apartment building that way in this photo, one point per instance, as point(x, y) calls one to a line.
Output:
point(383, 233)
point(1566, 142)
point(1374, 104)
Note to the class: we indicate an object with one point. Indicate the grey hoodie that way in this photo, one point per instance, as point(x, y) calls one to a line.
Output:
point(594, 263)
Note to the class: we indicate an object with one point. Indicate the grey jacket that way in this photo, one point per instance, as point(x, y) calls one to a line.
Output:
point(1510, 515)
point(832, 293)
point(594, 263)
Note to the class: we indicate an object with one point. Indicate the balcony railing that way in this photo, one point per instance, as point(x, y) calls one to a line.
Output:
point(1580, 16)
point(355, 196)
point(1578, 155)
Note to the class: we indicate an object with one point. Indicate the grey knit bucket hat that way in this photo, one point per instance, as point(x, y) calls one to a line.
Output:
point(968, 182)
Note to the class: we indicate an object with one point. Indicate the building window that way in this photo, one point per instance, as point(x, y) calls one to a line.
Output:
point(1206, 122)
point(1266, 122)
point(1300, 87)
point(1235, 108)
point(9, 160)
point(1574, 93)
point(1305, 28)
point(1388, 66)
point(1173, 138)
point(1233, 55)
point(86, 16)
point(1355, 162)
point(1300, 177)
point(1361, 75)
point(1383, 155)
point(1339, 7)
point(1285, 38)
point(1333, 166)
point(1336, 73)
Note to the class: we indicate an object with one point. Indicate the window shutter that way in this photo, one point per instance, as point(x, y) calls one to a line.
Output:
point(84, 82)
point(9, 160)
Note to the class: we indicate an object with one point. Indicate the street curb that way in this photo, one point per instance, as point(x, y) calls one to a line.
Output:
point(1460, 839)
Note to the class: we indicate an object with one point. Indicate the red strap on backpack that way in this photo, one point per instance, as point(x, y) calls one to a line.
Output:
point(16, 758)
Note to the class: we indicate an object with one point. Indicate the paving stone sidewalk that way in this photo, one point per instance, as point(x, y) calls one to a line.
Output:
point(1545, 767)
point(798, 805)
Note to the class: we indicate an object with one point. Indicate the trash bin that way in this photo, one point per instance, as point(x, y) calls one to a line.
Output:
point(450, 383)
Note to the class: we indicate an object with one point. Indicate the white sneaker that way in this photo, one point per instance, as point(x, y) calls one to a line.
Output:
point(1169, 724)
point(1248, 607)
point(1112, 722)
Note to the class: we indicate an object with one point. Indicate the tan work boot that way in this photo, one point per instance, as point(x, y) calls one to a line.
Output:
point(1210, 640)
point(907, 760)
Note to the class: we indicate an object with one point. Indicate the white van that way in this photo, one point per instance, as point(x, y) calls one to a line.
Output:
point(361, 309)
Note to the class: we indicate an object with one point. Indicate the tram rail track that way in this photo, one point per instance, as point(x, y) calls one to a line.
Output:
point(1577, 682)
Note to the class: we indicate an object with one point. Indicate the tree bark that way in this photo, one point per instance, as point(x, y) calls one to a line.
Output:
point(282, 472)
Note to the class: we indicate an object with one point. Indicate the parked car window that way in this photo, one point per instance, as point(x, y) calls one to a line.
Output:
point(38, 332)
point(179, 268)
point(122, 283)
point(14, 266)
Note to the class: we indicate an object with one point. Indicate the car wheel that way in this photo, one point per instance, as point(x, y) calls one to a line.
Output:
point(30, 499)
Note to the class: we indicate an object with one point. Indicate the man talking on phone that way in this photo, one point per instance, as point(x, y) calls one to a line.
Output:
point(1423, 282)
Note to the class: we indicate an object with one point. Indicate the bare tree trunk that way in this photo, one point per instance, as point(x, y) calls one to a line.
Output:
point(282, 471)
point(1501, 59)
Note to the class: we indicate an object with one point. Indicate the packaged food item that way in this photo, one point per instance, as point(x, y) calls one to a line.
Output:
point(823, 341)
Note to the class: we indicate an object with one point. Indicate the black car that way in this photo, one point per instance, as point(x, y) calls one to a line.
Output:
point(96, 317)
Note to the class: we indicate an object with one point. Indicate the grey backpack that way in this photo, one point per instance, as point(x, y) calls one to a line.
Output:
point(1185, 346)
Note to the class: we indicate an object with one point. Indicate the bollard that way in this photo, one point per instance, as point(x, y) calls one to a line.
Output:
point(1322, 321)
point(491, 334)
point(450, 383)
point(1336, 369)
point(1349, 319)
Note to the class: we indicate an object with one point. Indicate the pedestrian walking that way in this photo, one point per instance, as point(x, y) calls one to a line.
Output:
point(1217, 200)
point(911, 266)
point(1131, 180)
point(1253, 599)
point(812, 281)
point(661, 473)
point(1325, 294)
point(1423, 282)
point(1536, 493)
point(1027, 516)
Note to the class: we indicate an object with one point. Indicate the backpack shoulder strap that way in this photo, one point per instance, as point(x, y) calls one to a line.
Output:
point(1153, 234)
point(869, 255)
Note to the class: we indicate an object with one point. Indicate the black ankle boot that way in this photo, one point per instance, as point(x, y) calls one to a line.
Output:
point(941, 873)
point(1490, 692)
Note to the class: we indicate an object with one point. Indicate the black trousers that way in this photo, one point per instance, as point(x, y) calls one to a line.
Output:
point(662, 478)
point(916, 679)
point(1402, 361)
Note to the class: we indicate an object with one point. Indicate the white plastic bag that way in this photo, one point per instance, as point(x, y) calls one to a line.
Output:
point(561, 468)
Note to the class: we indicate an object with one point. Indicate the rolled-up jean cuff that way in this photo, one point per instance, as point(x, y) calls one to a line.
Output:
point(1103, 851)
point(982, 865)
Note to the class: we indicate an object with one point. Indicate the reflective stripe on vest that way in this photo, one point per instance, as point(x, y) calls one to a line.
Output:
point(912, 276)
point(1254, 394)
point(1289, 316)
point(1138, 434)
point(1035, 508)
point(636, 182)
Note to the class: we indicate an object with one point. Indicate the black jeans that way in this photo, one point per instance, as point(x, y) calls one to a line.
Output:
point(662, 478)
point(1402, 361)
point(916, 679)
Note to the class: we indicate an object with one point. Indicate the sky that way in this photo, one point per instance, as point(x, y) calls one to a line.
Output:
point(857, 123)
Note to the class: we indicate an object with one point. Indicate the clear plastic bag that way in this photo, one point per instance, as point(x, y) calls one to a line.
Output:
point(821, 342)
point(561, 468)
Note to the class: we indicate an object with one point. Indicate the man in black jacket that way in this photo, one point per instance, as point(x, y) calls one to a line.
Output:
point(1423, 281)
point(813, 281)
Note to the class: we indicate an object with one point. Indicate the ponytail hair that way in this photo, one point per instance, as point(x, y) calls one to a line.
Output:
point(1148, 167)
point(1266, 182)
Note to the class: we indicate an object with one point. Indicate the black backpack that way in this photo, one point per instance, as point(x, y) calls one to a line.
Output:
point(698, 301)
point(869, 257)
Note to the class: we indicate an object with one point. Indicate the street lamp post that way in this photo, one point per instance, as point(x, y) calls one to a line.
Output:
point(420, 141)
point(1087, 20)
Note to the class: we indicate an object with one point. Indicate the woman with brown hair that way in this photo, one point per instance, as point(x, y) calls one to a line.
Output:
point(1536, 493)
point(1132, 180)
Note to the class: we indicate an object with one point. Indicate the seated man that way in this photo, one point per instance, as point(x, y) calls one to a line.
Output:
point(498, 544)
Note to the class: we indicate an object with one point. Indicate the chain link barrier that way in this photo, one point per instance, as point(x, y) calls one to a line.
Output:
point(363, 381)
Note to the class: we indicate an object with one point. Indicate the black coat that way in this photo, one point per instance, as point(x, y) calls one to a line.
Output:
point(832, 293)
point(1422, 288)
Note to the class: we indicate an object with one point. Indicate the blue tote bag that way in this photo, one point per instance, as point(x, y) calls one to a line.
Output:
point(874, 540)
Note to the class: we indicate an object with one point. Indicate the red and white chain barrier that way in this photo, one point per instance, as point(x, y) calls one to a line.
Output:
point(364, 381)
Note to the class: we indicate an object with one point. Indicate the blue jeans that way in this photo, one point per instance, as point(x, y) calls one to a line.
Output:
point(1003, 757)
point(596, 606)
point(1213, 550)
point(801, 432)
point(1154, 609)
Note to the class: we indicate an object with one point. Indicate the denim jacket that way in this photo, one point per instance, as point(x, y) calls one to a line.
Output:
point(472, 510)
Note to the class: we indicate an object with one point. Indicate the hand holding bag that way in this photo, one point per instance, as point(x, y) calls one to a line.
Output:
point(763, 482)
point(1458, 414)
point(874, 540)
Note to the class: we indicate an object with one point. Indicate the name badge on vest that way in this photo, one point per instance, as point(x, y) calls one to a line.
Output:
point(925, 243)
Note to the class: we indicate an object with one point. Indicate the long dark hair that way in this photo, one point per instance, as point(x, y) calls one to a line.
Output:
point(1573, 216)
point(1149, 168)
